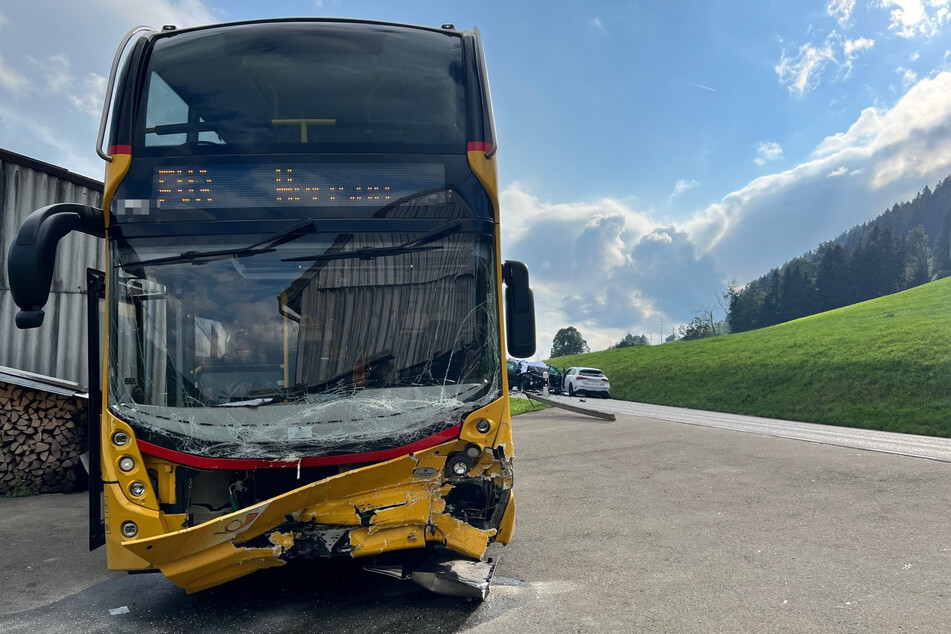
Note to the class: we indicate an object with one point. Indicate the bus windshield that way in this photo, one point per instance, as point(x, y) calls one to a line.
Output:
point(303, 87)
point(316, 344)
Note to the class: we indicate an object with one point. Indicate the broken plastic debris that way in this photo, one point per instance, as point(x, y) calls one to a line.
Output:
point(121, 610)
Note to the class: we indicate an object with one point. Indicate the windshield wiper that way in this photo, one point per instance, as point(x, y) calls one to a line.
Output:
point(369, 253)
point(253, 402)
point(268, 244)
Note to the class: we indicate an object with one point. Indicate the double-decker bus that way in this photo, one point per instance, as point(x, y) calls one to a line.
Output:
point(302, 342)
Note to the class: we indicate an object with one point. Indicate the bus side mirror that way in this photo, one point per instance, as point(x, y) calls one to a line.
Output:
point(32, 254)
point(519, 310)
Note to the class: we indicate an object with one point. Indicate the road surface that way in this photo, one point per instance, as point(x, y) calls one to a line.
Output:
point(634, 525)
point(871, 440)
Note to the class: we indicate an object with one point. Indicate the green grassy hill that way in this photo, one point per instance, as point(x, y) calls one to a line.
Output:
point(882, 364)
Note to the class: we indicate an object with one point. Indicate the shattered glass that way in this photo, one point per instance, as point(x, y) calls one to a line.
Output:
point(261, 356)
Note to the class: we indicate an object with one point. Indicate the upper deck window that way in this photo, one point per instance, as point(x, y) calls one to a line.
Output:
point(304, 87)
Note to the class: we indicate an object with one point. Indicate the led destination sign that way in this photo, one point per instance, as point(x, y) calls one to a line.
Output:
point(322, 185)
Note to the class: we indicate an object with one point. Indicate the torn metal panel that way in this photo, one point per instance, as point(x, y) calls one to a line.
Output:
point(457, 577)
point(445, 573)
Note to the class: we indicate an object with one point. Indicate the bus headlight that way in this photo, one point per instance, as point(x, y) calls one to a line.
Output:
point(483, 426)
point(137, 489)
point(120, 438)
point(460, 468)
point(129, 529)
point(126, 463)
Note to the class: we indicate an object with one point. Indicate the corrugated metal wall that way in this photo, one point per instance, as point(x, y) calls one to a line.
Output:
point(58, 347)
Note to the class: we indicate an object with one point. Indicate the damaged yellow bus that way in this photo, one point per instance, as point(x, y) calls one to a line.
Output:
point(302, 351)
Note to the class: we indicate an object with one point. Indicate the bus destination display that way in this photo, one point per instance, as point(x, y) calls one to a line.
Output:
point(322, 185)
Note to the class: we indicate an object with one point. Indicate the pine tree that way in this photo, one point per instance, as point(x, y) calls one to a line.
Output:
point(746, 307)
point(942, 249)
point(917, 258)
point(771, 303)
point(832, 278)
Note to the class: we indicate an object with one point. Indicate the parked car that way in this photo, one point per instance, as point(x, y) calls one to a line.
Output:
point(511, 368)
point(590, 381)
point(533, 378)
point(556, 378)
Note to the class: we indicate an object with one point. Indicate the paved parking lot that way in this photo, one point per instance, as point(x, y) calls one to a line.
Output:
point(633, 525)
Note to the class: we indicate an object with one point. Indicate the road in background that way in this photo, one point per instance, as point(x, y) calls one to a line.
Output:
point(928, 447)
point(633, 525)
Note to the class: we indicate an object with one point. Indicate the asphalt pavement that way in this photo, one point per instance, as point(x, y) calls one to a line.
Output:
point(634, 525)
point(928, 447)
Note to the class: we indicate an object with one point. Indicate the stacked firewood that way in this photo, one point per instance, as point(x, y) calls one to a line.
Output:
point(41, 438)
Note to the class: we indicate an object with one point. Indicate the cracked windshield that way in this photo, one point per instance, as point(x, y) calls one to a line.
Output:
point(327, 343)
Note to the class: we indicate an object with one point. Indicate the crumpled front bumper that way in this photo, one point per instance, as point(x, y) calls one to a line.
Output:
point(395, 505)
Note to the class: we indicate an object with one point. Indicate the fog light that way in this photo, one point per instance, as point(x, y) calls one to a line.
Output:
point(137, 489)
point(126, 463)
point(129, 529)
point(120, 438)
point(460, 468)
point(483, 426)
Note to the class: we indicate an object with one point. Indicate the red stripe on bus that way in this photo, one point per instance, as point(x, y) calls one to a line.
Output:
point(201, 462)
point(480, 146)
point(120, 149)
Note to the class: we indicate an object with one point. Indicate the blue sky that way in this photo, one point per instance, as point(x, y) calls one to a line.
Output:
point(649, 152)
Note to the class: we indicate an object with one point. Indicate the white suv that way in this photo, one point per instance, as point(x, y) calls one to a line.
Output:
point(590, 381)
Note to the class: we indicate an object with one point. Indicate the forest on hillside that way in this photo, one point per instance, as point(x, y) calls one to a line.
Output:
point(905, 246)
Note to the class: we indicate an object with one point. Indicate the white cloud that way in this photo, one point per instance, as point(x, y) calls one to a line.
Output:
point(768, 151)
point(850, 50)
point(13, 80)
point(841, 10)
point(55, 71)
point(597, 25)
point(3, 20)
point(891, 153)
point(919, 120)
point(842, 170)
point(603, 267)
point(683, 185)
point(85, 96)
point(850, 47)
point(800, 74)
point(531, 211)
point(911, 18)
point(914, 57)
point(908, 76)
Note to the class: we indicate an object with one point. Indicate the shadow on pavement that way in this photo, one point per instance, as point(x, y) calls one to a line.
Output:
point(334, 595)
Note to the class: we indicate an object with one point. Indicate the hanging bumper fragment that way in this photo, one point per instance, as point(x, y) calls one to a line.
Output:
point(446, 573)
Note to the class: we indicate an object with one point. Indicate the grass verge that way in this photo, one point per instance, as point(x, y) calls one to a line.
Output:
point(519, 405)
